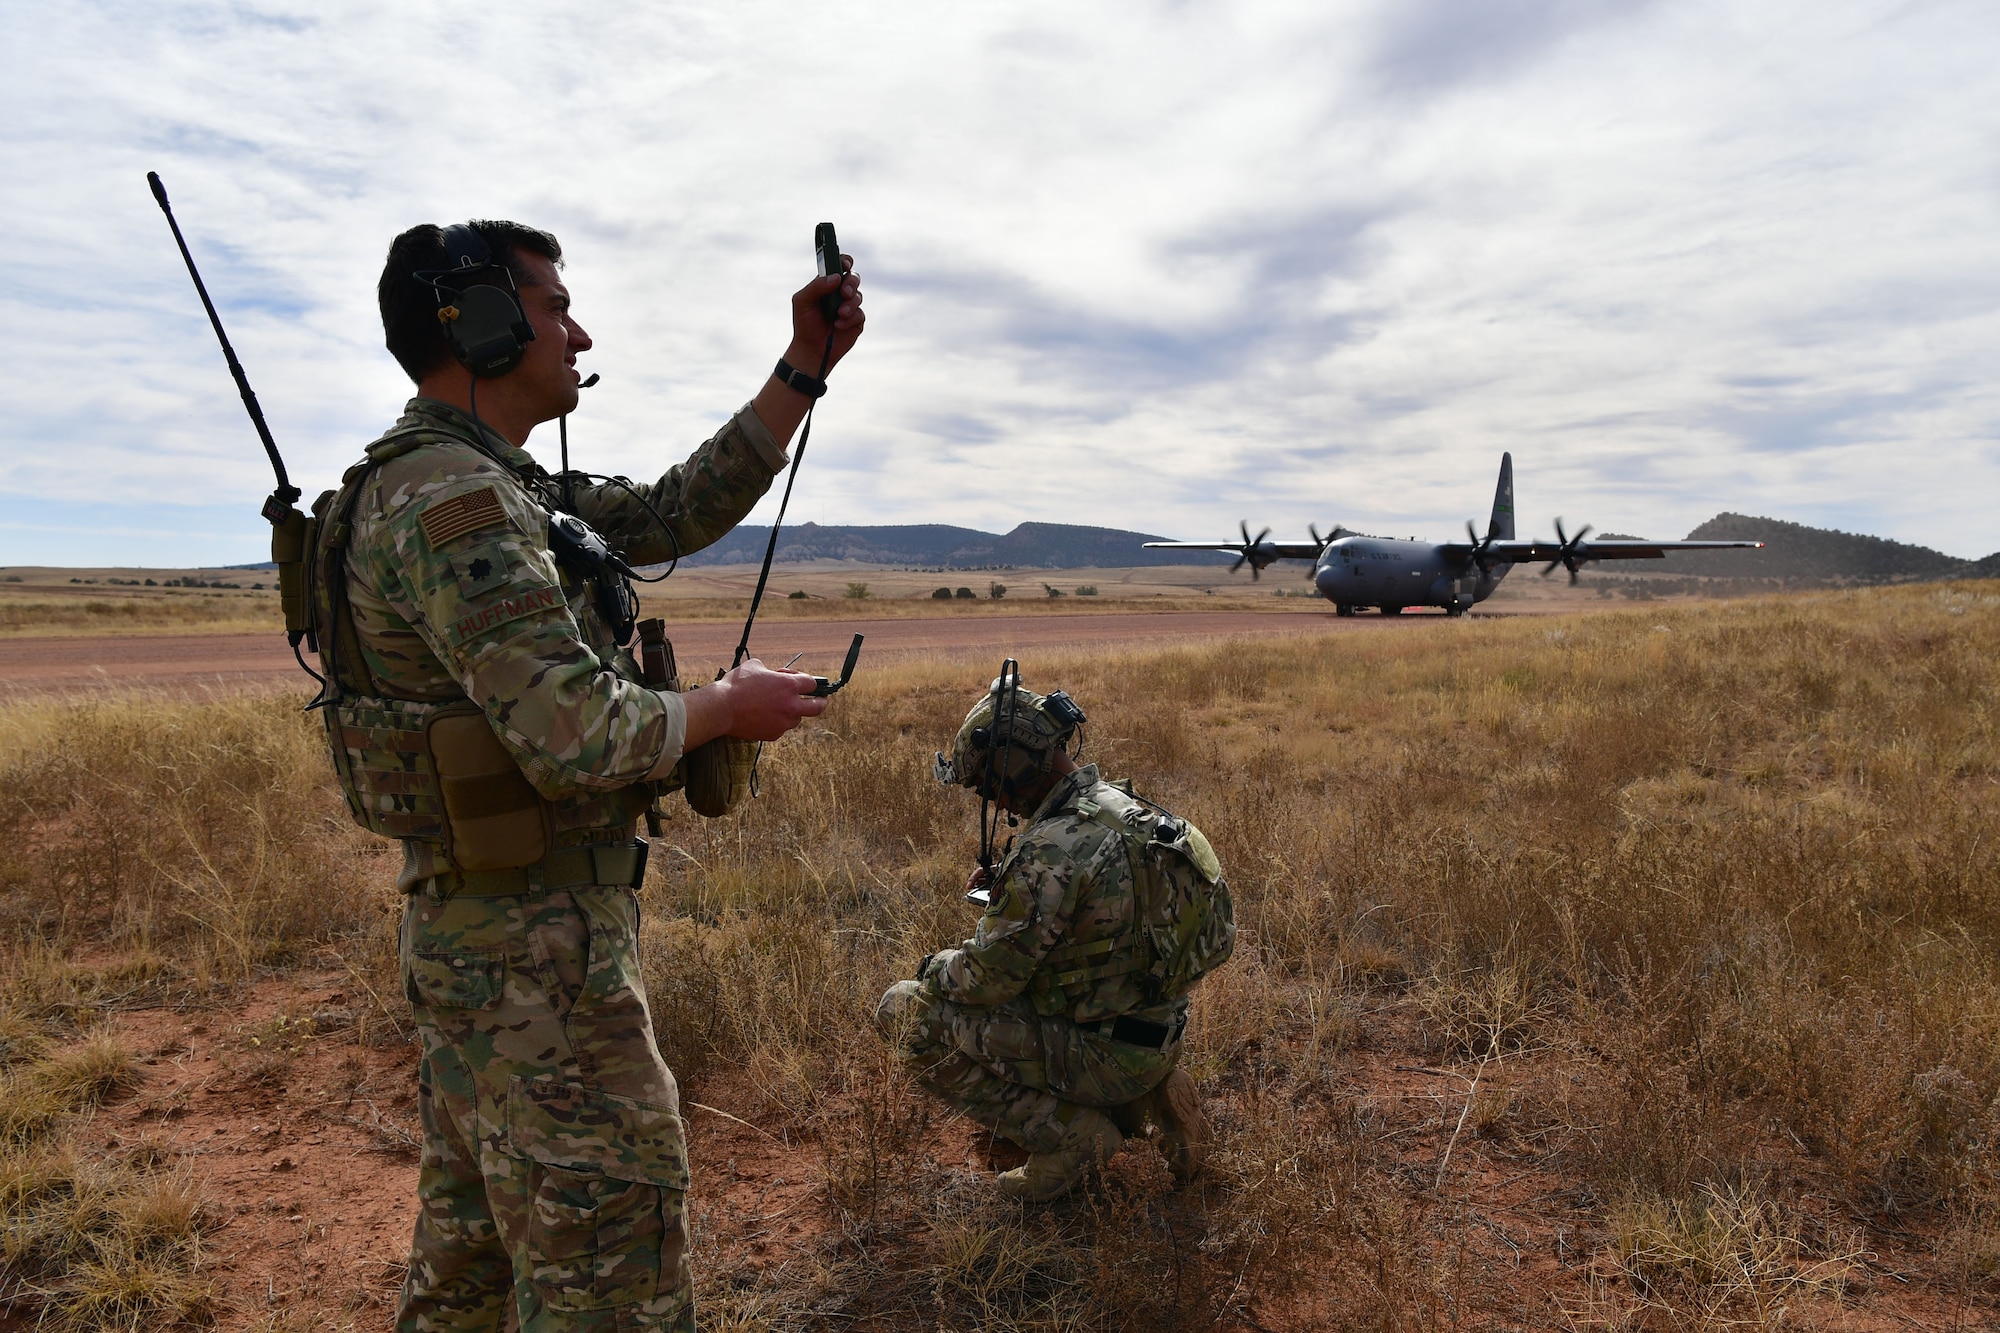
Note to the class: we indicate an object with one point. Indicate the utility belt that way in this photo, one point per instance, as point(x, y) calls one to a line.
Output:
point(607, 865)
point(1138, 1031)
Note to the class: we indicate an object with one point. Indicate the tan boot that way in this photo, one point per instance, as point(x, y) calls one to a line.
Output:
point(1184, 1131)
point(1090, 1141)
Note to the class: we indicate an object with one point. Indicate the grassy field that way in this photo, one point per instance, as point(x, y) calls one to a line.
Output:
point(1629, 970)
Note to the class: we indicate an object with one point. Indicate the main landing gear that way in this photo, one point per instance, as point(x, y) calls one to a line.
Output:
point(1343, 608)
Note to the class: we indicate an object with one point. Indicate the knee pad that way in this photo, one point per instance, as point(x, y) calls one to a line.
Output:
point(897, 1007)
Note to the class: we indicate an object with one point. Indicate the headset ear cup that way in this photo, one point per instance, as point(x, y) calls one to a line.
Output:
point(486, 336)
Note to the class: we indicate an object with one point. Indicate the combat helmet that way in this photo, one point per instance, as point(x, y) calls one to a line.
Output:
point(1008, 742)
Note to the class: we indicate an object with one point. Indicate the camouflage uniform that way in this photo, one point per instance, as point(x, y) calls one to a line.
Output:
point(554, 1169)
point(999, 1028)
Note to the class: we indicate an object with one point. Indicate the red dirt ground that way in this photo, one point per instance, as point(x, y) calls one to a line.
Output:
point(303, 1139)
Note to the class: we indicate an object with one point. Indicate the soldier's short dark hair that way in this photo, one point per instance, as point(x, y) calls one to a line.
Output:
point(409, 308)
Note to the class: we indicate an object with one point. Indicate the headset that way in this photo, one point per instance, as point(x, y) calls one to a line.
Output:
point(478, 304)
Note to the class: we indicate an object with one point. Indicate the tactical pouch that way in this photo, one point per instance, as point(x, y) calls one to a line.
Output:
point(437, 772)
point(497, 820)
point(290, 541)
point(382, 757)
point(718, 774)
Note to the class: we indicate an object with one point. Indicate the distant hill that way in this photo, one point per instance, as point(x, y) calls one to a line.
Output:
point(938, 545)
point(1797, 553)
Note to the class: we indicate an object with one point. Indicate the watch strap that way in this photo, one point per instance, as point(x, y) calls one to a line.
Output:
point(799, 380)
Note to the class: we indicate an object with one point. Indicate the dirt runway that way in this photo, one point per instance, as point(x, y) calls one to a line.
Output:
point(201, 662)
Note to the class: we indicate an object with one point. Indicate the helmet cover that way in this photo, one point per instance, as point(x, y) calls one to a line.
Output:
point(1013, 755)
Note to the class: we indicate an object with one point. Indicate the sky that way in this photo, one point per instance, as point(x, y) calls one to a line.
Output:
point(1159, 266)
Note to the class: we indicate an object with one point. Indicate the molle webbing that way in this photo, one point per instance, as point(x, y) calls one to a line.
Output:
point(1182, 922)
point(383, 759)
point(1070, 969)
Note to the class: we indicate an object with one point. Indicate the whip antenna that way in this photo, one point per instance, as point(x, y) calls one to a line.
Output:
point(290, 529)
point(286, 494)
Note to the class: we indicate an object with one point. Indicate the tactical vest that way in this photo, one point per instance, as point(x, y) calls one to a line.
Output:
point(1183, 922)
point(433, 773)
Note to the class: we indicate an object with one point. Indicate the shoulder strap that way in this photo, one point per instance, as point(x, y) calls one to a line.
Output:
point(1117, 813)
point(340, 647)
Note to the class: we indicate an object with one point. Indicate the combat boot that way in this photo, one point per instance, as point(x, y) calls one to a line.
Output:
point(1089, 1140)
point(1175, 1106)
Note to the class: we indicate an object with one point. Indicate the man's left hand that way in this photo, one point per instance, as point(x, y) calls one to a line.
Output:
point(809, 326)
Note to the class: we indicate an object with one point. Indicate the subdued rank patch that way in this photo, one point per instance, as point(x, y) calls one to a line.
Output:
point(503, 610)
point(481, 570)
point(456, 515)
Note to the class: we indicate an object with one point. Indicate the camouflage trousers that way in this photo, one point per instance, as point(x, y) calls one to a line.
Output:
point(1019, 1074)
point(554, 1176)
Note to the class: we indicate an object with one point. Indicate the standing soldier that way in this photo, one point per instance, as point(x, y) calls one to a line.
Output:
point(1058, 1024)
point(485, 708)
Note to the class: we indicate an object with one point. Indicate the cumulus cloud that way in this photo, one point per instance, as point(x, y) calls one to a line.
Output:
point(1155, 266)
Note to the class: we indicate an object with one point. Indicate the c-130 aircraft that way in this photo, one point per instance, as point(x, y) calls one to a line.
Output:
point(1353, 570)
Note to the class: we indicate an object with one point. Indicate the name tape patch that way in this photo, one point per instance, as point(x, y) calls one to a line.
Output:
point(456, 515)
point(504, 610)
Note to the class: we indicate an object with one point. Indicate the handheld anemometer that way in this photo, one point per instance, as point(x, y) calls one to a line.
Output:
point(826, 248)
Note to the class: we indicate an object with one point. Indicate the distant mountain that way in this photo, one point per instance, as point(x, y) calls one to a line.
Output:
point(938, 545)
point(1795, 552)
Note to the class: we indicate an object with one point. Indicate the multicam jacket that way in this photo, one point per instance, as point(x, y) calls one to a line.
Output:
point(1066, 881)
point(454, 592)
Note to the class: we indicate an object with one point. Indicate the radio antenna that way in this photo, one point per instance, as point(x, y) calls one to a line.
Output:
point(286, 494)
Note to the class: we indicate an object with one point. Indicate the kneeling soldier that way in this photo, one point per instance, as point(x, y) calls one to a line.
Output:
point(1058, 1025)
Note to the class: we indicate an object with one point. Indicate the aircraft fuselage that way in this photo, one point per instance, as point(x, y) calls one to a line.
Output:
point(1384, 572)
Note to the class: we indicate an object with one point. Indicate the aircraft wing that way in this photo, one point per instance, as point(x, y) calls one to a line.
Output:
point(1267, 549)
point(1527, 552)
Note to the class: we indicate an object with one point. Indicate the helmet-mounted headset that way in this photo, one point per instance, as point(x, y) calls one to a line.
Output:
point(1007, 744)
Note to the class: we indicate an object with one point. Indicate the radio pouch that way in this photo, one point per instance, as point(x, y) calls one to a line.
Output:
point(498, 820)
point(718, 774)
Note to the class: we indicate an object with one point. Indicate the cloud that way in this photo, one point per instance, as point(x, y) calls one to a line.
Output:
point(1160, 266)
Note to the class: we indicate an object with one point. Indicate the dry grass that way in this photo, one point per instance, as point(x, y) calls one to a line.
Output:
point(38, 609)
point(208, 831)
point(94, 1241)
point(1695, 907)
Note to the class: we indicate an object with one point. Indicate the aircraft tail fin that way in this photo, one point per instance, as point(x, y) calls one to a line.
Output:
point(1501, 526)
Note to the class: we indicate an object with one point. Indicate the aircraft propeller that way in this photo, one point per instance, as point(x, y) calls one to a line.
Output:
point(1567, 556)
point(1479, 548)
point(1255, 551)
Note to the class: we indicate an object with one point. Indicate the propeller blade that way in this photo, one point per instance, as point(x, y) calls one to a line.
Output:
point(1318, 540)
point(1239, 563)
point(1243, 526)
point(1261, 536)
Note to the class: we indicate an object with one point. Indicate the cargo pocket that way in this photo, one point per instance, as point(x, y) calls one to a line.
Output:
point(607, 1188)
point(456, 978)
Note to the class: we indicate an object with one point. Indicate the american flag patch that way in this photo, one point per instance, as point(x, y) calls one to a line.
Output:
point(459, 514)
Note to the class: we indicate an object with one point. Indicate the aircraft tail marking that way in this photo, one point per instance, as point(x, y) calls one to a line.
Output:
point(1501, 526)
